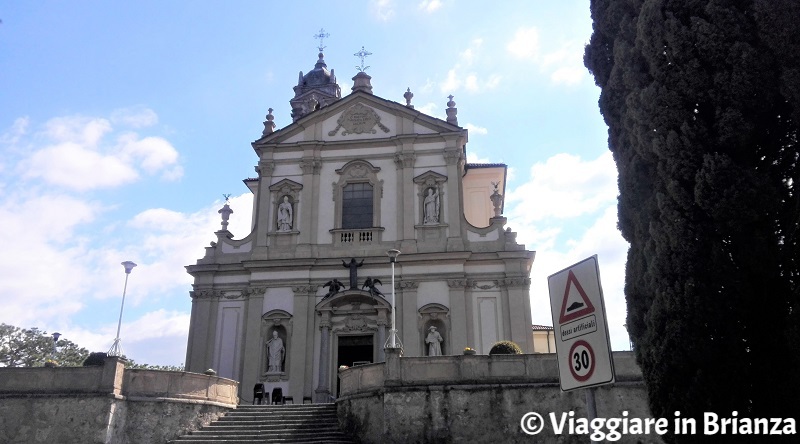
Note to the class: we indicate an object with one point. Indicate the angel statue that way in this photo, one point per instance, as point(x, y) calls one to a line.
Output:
point(370, 283)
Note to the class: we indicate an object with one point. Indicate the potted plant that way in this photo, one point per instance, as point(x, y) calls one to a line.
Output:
point(469, 351)
point(505, 348)
point(50, 363)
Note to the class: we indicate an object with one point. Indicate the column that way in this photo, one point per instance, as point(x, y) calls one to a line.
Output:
point(299, 343)
point(458, 315)
point(253, 341)
point(323, 392)
point(263, 207)
point(408, 326)
point(454, 158)
point(383, 321)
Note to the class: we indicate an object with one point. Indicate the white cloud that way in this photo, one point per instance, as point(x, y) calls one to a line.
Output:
point(472, 81)
point(452, 83)
point(135, 117)
point(566, 194)
point(563, 62)
point(18, 129)
point(430, 5)
point(429, 108)
point(80, 130)
point(153, 153)
point(473, 158)
point(525, 44)
point(600, 238)
point(474, 129)
point(469, 55)
point(567, 75)
point(76, 155)
point(565, 186)
point(382, 10)
point(78, 167)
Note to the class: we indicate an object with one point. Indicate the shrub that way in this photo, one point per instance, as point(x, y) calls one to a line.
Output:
point(95, 358)
point(505, 348)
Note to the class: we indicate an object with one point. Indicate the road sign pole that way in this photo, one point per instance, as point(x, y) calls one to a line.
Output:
point(591, 406)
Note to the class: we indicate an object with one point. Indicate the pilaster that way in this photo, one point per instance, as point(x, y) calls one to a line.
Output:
point(408, 325)
point(460, 315)
point(253, 342)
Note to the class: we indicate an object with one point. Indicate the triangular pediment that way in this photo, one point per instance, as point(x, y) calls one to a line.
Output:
point(357, 116)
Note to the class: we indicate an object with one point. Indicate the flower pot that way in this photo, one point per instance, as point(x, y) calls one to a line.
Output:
point(469, 352)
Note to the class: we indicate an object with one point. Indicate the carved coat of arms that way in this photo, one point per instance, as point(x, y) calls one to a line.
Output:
point(359, 119)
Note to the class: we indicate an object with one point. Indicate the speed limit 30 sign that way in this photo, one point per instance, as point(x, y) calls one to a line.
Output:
point(581, 331)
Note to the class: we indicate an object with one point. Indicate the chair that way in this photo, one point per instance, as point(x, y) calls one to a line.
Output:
point(307, 398)
point(258, 393)
point(277, 396)
point(288, 398)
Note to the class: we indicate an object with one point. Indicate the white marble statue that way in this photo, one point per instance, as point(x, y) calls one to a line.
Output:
point(285, 215)
point(434, 341)
point(276, 353)
point(431, 207)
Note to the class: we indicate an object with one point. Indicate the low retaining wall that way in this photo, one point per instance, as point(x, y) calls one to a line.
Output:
point(475, 398)
point(108, 404)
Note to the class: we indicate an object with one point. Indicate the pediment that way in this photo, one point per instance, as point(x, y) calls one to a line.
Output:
point(358, 116)
point(345, 300)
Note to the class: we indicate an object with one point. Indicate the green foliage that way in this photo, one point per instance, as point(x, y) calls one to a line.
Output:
point(702, 101)
point(505, 348)
point(32, 347)
point(130, 363)
point(95, 359)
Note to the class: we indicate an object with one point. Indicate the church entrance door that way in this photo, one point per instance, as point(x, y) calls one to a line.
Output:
point(354, 350)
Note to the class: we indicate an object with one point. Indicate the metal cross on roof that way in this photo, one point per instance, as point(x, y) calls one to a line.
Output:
point(362, 55)
point(322, 35)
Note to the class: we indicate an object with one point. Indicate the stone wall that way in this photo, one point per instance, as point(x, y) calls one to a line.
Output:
point(107, 404)
point(476, 398)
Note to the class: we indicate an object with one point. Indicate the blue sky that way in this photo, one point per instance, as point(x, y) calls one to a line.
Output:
point(123, 123)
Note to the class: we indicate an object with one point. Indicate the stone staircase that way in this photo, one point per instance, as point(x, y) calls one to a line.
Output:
point(307, 423)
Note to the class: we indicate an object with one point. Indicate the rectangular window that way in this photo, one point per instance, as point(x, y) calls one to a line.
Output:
point(357, 206)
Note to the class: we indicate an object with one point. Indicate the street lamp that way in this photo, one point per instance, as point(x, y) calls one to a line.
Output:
point(394, 340)
point(56, 335)
point(116, 349)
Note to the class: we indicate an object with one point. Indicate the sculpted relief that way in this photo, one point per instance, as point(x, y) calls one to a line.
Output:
point(359, 119)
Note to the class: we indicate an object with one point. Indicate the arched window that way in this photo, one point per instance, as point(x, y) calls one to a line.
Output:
point(357, 205)
point(357, 193)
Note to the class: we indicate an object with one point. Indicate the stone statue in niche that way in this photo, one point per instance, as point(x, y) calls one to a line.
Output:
point(276, 353)
point(285, 215)
point(434, 341)
point(431, 207)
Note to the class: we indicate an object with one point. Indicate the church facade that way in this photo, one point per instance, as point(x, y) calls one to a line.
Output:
point(311, 287)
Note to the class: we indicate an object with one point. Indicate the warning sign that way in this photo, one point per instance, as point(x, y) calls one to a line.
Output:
point(579, 319)
point(576, 303)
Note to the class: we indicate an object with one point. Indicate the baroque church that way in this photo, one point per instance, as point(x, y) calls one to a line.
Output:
point(311, 287)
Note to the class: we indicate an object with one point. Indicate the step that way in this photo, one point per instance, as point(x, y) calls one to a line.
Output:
point(302, 423)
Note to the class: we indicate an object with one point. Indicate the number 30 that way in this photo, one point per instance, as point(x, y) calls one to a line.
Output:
point(581, 360)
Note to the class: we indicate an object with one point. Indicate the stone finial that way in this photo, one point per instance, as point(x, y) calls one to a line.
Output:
point(361, 82)
point(452, 111)
point(269, 125)
point(408, 96)
point(497, 200)
point(226, 212)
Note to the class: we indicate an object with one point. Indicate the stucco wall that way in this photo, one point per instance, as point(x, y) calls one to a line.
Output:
point(475, 398)
point(107, 404)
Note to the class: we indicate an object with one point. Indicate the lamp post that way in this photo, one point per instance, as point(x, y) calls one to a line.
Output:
point(56, 335)
point(394, 341)
point(116, 349)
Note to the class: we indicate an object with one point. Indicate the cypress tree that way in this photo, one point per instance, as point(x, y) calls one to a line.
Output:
point(702, 101)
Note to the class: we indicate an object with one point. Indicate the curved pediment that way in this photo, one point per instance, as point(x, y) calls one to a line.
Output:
point(347, 299)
